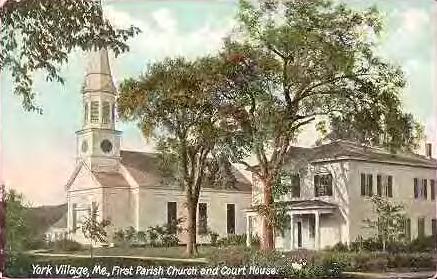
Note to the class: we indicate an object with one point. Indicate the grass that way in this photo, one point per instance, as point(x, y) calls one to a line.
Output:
point(161, 252)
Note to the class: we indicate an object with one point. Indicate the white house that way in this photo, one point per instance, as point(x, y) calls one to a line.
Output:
point(333, 185)
point(128, 186)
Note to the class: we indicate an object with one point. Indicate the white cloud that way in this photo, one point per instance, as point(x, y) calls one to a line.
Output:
point(161, 36)
point(414, 20)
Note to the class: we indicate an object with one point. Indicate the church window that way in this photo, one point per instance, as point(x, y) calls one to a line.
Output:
point(323, 185)
point(172, 217)
point(106, 112)
point(86, 113)
point(203, 218)
point(106, 146)
point(230, 218)
point(94, 112)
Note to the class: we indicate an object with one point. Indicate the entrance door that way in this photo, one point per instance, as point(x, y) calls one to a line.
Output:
point(299, 234)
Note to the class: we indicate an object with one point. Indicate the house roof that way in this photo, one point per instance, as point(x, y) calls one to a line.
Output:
point(347, 150)
point(145, 169)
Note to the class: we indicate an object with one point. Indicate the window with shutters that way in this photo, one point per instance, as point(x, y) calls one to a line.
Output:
point(366, 185)
point(106, 112)
point(384, 185)
point(95, 112)
point(432, 182)
point(203, 218)
point(421, 227)
point(420, 188)
point(322, 185)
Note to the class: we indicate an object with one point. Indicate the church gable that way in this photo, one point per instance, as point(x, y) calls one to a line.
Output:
point(82, 179)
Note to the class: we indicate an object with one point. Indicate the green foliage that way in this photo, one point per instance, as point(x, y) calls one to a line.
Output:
point(233, 240)
point(94, 230)
point(38, 35)
point(389, 221)
point(295, 63)
point(19, 232)
point(66, 245)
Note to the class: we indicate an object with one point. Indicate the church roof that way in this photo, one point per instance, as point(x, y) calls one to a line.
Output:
point(145, 169)
point(112, 179)
point(347, 150)
point(98, 76)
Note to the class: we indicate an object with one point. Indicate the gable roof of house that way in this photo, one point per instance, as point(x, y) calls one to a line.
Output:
point(347, 150)
point(145, 169)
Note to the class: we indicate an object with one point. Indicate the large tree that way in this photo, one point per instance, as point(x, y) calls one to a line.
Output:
point(293, 64)
point(175, 103)
point(38, 35)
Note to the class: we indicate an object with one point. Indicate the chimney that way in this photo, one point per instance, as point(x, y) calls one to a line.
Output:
point(428, 150)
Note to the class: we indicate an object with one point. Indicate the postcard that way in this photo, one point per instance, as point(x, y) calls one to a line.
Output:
point(218, 139)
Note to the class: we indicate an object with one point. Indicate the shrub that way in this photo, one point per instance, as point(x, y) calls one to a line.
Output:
point(213, 238)
point(369, 261)
point(422, 244)
point(66, 245)
point(230, 256)
point(232, 240)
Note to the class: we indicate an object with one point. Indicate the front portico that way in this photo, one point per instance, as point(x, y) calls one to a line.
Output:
point(310, 224)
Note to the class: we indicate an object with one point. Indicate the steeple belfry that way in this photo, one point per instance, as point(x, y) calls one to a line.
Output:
point(98, 143)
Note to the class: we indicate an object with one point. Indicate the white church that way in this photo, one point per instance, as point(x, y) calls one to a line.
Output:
point(128, 186)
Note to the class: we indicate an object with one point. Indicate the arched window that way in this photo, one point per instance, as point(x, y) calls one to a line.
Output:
point(94, 112)
point(86, 113)
point(106, 112)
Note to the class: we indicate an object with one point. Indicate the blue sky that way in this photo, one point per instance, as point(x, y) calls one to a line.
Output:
point(39, 150)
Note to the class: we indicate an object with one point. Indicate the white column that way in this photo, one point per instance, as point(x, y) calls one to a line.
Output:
point(248, 232)
point(291, 231)
point(317, 232)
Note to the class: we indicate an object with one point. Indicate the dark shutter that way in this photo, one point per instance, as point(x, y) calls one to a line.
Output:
point(378, 185)
point(421, 227)
point(203, 218)
point(416, 188)
point(363, 184)
point(370, 182)
point(408, 229)
point(316, 185)
point(425, 189)
point(390, 186)
point(171, 216)
point(230, 218)
point(434, 227)
point(432, 189)
point(329, 185)
point(296, 186)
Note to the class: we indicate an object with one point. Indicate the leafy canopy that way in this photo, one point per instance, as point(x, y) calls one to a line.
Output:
point(37, 35)
point(299, 62)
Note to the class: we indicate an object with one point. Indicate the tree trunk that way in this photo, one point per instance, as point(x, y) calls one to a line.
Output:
point(191, 229)
point(91, 249)
point(267, 239)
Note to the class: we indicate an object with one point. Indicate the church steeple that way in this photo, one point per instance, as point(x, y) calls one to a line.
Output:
point(98, 141)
